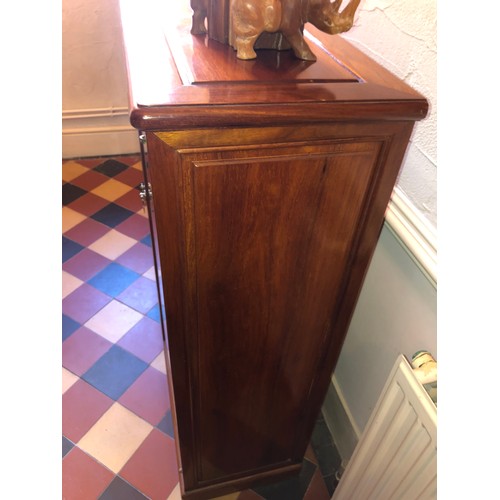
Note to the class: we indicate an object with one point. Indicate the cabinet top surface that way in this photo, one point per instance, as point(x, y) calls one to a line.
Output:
point(181, 80)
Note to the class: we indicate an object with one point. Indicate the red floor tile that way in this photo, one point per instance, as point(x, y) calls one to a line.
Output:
point(131, 201)
point(144, 340)
point(153, 467)
point(148, 396)
point(82, 349)
point(82, 407)
point(84, 302)
point(136, 226)
point(317, 489)
point(90, 180)
point(88, 204)
point(87, 232)
point(141, 295)
point(130, 160)
point(139, 258)
point(82, 477)
point(131, 176)
point(86, 264)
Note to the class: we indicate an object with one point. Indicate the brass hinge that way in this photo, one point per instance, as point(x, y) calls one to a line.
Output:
point(145, 194)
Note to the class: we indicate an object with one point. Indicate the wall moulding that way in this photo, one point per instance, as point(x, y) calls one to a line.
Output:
point(97, 132)
point(414, 232)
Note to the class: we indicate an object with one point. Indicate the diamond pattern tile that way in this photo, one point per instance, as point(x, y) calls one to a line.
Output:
point(114, 372)
point(144, 340)
point(69, 283)
point(114, 279)
point(118, 440)
point(83, 477)
point(86, 232)
point(85, 264)
point(115, 437)
point(112, 244)
point(148, 396)
point(114, 320)
point(112, 215)
point(83, 406)
point(84, 302)
point(70, 193)
point(153, 466)
point(111, 167)
point(70, 248)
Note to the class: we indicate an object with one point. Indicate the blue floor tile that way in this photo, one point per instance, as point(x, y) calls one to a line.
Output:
point(111, 168)
point(113, 279)
point(166, 425)
point(71, 193)
point(69, 248)
point(68, 326)
point(67, 445)
point(112, 215)
point(154, 313)
point(115, 372)
point(121, 490)
point(147, 240)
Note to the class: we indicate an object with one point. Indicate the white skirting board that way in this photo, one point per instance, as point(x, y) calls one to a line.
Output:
point(98, 132)
point(395, 458)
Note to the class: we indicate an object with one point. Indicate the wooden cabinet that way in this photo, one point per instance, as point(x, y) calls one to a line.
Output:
point(269, 181)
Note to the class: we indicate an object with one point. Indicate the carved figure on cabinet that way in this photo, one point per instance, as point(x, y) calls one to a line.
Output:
point(250, 18)
point(200, 13)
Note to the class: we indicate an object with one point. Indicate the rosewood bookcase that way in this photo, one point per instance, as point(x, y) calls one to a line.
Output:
point(267, 182)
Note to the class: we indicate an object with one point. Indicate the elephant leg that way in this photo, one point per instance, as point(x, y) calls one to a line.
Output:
point(244, 46)
point(198, 26)
point(299, 46)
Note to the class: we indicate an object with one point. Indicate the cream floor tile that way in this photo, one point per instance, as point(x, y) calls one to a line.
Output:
point(112, 244)
point(68, 379)
point(71, 170)
point(111, 190)
point(137, 166)
point(176, 493)
point(70, 218)
point(69, 283)
point(159, 363)
point(113, 321)
point(150, 273)
point(115, 437)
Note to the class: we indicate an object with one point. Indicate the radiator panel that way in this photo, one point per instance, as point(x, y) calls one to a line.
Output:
point(395, 458)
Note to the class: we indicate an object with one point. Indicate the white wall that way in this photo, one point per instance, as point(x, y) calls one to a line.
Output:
point(94, 81)
point(401, 35)
point(396, 313)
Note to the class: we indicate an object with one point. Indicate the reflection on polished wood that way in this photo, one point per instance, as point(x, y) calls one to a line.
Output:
point(270, 180)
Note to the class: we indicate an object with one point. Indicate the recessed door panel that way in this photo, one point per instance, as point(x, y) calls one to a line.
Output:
point(272, 242)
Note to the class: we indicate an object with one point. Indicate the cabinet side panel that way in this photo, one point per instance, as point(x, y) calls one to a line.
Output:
point(165, 174)
point(273, 236)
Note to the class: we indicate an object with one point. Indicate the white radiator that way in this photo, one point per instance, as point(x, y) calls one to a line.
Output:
point(395, 458)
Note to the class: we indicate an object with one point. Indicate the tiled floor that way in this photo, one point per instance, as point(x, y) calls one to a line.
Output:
point(117, 439)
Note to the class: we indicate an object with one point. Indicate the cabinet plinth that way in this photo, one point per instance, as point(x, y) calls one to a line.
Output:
point(269, 181)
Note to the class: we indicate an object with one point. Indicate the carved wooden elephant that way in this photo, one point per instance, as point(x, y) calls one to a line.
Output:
point(200, 12)
point(250, 18)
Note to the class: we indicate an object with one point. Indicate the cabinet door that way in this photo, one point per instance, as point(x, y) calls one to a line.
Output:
point(257, 243)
